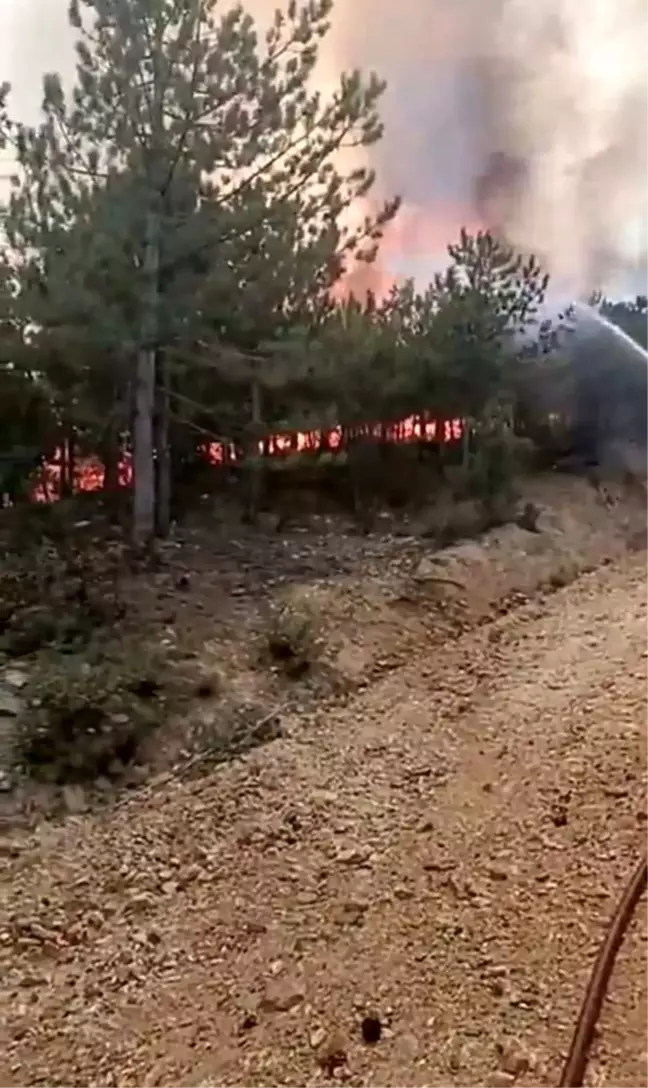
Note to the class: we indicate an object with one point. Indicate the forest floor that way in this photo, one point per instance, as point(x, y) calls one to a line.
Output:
point(437, 844)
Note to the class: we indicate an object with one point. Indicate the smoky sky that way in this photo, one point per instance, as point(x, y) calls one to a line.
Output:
point(526, 116)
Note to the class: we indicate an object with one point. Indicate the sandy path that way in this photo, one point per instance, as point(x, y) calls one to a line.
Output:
point(445, 850)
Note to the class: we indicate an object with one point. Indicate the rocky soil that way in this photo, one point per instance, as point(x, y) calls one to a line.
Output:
point(432, 860)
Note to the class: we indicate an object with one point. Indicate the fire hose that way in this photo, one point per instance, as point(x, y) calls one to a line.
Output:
point(574, 1069)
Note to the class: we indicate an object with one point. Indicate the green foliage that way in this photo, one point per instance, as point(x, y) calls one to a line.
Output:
point(87, 715)
point(187, 190)
point(460, 345)
point(177, 226)
point(213, 127)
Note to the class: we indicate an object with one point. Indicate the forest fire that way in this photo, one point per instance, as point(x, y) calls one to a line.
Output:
point(89, 471)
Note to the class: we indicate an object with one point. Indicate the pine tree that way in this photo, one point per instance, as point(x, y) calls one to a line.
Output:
point(188, 140)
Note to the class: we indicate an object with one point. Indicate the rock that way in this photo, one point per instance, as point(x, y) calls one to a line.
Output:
point(371, 1029)
point(527, 519)
point(353, 855)
point(351, 913)
point(248, 1022)
point(332, 1054)
point(514, 1059)
point(317, 1038)
point(75, 800)
point(136, 774)
point(456, 1057)
point(14, 678)
point(6, 783)
point(281, 996)
point(498, 873)
point(500, 1080)
point(10, 704)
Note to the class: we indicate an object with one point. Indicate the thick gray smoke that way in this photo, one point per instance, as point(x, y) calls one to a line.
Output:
point(527, 117)
point(530, 116)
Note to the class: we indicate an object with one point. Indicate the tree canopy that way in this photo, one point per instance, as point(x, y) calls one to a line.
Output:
point(175, 231)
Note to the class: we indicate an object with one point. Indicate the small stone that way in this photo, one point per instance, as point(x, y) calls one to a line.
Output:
point(500, 1080)
point(249, 1021)
point(352, 913)
point(10, 705)
point(317, 1037)
point(371, 1029)
point(326, 797)
point(514, 1060)
point(332, 1054)
point(353, 855)
point(498, 873)
point(75, 800)
point(14, 678)
point(281, 996)
point(136, 774)
point(455, 1061)
point(403, 893)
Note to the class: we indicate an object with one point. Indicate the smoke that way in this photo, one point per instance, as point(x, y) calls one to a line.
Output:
point(529, 118)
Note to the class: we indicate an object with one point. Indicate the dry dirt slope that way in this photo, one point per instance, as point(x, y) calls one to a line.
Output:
point(445, 850)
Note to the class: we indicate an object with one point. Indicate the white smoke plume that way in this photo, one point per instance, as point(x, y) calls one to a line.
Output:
point(527, 117)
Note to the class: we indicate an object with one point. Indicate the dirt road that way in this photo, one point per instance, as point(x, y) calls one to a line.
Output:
point(444, 851)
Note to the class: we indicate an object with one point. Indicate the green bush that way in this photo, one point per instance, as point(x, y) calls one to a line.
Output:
point(86, 716)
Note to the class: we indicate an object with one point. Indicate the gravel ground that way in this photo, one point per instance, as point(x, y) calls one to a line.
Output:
point(441, 855)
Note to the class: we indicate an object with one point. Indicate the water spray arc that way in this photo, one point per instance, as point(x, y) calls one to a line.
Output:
point(595, 316)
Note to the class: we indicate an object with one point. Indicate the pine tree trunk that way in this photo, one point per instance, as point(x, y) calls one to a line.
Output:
point(254, 462)
point(110, 451)
point(143, 455)
point(163, 462)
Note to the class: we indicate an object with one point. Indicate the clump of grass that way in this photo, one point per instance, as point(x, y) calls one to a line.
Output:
point(87, 715)
point(290, 641)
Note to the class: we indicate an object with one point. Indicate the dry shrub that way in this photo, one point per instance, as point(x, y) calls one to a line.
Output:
point(291, 639)
point(86, 715)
